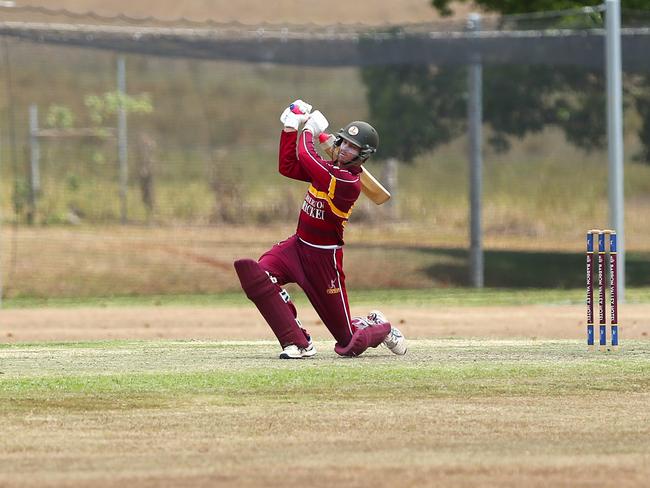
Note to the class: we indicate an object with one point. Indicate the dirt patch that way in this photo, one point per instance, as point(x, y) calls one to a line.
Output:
point(257, 11)
point(467, 442)
point(220, 323)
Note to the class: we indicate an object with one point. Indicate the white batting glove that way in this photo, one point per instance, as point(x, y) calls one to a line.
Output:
point(316, 123)
point(295, 114)
point(299, 107)
point(291, 120)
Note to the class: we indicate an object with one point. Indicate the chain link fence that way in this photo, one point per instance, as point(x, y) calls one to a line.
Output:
point(192, 182)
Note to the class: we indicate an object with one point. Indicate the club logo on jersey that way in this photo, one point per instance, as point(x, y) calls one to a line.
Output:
point(333, 289)
point(353, 130)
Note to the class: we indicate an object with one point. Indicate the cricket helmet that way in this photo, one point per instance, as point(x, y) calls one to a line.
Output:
point(361, 134)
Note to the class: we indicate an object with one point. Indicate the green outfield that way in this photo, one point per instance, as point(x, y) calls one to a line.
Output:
point(410, 297)
point(453, 412)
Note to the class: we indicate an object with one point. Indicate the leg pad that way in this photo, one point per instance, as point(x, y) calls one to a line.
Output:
point(272, 302)
point(364, 338)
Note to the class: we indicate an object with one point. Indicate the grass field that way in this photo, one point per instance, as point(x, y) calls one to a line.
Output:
point(432, 297)
point(100, 384)
point(79, 262)
point(453, 412)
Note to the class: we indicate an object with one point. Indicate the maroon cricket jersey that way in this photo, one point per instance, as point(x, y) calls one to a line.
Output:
point(333, 191)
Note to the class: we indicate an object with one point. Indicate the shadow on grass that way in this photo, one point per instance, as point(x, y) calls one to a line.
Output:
point(512, 269)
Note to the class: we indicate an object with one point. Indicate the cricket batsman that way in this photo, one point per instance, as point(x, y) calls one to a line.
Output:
point(313, 256)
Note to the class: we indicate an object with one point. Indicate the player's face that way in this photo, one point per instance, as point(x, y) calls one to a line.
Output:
point(347, 152)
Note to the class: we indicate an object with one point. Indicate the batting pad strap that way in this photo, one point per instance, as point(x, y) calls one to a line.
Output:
point(362, 339)
point(272, 302)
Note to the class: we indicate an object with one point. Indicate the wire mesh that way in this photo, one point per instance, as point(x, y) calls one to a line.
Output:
point(203, 186)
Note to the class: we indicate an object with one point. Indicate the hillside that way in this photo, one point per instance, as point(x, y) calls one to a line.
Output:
point(259, 11)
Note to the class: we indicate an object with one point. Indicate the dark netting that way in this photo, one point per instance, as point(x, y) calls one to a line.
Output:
point(202, 186)
point(336, 47)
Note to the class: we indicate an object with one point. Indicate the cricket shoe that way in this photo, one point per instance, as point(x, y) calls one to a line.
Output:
point(395, 340)
point(294, 352)
point(376, 317)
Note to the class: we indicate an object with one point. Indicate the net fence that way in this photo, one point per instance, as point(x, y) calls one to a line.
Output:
point(201, 187)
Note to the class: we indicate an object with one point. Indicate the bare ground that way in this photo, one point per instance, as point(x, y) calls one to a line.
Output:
point(220, 323)
point(509, 442)
point(507, 438)
point(256, 11)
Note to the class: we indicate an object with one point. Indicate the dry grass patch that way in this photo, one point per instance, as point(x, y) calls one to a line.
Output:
point(451, 413)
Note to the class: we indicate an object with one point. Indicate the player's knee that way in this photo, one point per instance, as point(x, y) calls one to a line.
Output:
point(362, 339)
point(258, 283)
point(272, 301)
point(254, 280)
point(359, 323)
point(375, 317)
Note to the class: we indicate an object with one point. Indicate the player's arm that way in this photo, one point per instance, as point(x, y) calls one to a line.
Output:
point(294, 115)
point(316, 167)
point(288, 164)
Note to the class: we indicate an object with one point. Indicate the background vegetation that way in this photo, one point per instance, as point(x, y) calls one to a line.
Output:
point(204, 187)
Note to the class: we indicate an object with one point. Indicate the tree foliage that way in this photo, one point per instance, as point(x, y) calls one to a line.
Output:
point(102, 107)
point(417, 108)
point(59, 117)
point(507, 7)
point(519, 100)
point(412, 107)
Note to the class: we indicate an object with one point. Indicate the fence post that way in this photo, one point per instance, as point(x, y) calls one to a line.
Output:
point(615, 134)
point(390, 179)
point(34, 159)
point(1, 214)
point(122, 139)
point(475, 120)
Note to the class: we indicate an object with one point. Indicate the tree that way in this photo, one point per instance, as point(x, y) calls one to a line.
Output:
point(507, 7)
point(413, 108)
point(417, 108)
point(580, 95)
point(519, 100)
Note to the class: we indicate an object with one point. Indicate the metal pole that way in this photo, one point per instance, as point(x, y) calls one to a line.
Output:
point(122, 139)
point(390, 178)
point(475, 119)
point(615, 134)
point(1, 213)
point(35, 154)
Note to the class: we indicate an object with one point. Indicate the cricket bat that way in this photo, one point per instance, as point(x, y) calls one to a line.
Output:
point(370, 186)
point(373, 189)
